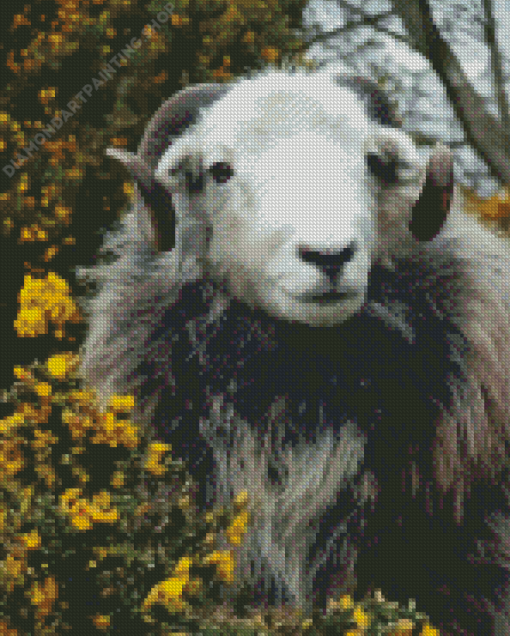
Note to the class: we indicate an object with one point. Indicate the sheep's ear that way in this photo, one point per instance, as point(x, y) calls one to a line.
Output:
point(157, 199)
point(431, 209)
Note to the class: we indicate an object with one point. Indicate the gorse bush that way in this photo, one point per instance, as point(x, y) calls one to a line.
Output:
point(100, 532)
point(98, 524)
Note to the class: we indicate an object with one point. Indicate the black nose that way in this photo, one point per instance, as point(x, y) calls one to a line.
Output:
point(330, 261)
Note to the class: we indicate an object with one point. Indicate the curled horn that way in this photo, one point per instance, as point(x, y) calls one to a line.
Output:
point(169, 121)
point(433, 205)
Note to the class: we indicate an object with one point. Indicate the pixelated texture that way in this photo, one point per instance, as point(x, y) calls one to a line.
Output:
point(300, 342)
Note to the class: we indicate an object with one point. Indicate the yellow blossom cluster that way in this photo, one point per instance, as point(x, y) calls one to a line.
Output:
point(45, 95)
point(112, 431)
point(74, 173)
point(31, 540)
point(44, 596)
point(118, 479)
point(49, 192)
point(43, 389)
point(270, 54)
point(345, 602)
point(43, 300)
point(224, 561)
point(37, 416)
point(101, 621)
point(83, 512)
point(82, 397)
point(26, 412)
point(169, 592)
point(122, 403)
point(172, 591)
point(43, 439)
point(15, 563)
point(61, 364)
point(119, 141)
point(84, 415)
point(179, 20)
point(404, 626)
point(55, 40)
point(24, 182)
point(33, 232)
point(14, 66)
point(7, 424)
point(223, 72)
point(362, 618)
point(237, 528)
point(155, 453)
point(239, 525)
point(13, 566)
point(160, 77)
point(57, 146)
point(78, 423)
point(128, 188)
point(19, 20)
point(50, 253)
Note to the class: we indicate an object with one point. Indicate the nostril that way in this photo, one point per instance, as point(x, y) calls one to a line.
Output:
point(330, 260)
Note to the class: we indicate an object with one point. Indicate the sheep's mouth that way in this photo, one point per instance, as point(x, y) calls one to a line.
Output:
point(327, 297)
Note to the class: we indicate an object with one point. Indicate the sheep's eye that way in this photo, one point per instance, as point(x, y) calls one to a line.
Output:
point(221, 172)
point(382, 167)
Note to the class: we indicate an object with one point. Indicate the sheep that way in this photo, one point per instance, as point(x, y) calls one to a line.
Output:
point(304, 312)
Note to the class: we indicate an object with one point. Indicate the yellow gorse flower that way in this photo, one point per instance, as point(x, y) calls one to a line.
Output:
point(83, 513)
point(31, 540)
point(44, 596)
point(122, 403)
point(169, 592)
point(346, 602)
point(237, 528)
point(44, 300)
point(113, 432)
point(224, 561)
point(362, 618)
point(11, 422)
point(101, 621)
point(43, 389)
point(61, 364)
point(155, 453)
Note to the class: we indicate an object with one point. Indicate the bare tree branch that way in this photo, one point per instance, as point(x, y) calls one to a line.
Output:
point(349, 26)
point(496, 65)
point(484, 132)
point(488, 136)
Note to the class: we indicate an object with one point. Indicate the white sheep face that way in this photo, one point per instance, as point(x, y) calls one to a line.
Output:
point(286, 192)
